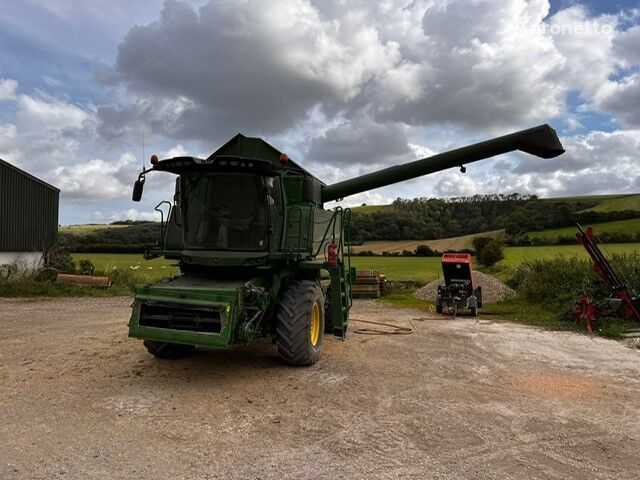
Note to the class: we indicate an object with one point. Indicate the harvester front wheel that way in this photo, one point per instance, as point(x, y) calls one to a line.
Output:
point(166, 350)
point(300, 329)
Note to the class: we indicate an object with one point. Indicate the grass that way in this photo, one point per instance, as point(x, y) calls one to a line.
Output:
point(420, 269)
point(618, 226)
point(616, 204)
point(148, 271)
point(369, 208)
point(427, 269)
point(84, 229)
point(518, 310)
point(407, 299)
point(440, 245)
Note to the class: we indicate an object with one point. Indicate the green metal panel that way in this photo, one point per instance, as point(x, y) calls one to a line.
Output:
point(28, 211)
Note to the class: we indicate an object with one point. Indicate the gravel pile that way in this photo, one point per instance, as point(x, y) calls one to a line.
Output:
point(493, 290)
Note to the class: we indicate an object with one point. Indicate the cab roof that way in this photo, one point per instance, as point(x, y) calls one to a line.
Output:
point(256, 149)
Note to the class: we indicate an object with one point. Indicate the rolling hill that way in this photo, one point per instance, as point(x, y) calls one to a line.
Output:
point(602, 203)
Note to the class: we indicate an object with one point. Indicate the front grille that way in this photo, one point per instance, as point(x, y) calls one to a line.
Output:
point(181, 317)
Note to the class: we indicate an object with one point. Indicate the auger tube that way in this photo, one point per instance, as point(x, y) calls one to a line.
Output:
point(541, 141)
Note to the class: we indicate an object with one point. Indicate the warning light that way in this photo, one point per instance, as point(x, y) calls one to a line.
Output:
point(284, 158)
point(154, 159)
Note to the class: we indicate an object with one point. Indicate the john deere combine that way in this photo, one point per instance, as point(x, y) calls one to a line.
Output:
point(258, 254)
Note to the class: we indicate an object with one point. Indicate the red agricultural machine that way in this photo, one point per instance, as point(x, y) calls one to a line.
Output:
point(623, 300)
point(458, 291)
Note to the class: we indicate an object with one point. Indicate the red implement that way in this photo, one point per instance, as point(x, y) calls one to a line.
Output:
point(607, 274)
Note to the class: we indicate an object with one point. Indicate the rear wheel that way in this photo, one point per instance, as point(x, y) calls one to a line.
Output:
point(438, 306)
point(474, 311)
point(300, 328)
point(168, 350)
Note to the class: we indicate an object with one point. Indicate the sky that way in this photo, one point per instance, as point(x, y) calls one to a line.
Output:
point(89, 89)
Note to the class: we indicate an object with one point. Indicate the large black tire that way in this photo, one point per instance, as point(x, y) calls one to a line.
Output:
point(328, 312)
point(474, 311)
point(438, 307)
point(166, 350)
point(300, 327)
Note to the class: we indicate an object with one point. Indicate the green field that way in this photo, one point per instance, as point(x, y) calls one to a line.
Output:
point(84, 229)
point(369, 208)
point(618, 226)
point(616, 204)
point(147, 270)
point(423, 269)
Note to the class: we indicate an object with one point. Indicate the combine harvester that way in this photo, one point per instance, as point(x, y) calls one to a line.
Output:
point(254, 244)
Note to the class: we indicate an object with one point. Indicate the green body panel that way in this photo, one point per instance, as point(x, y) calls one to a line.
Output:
point(247, 220)
point(225, 300)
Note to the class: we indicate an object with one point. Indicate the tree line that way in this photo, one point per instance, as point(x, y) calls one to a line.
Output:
point(433, 218)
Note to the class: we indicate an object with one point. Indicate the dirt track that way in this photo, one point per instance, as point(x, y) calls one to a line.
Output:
point(457, 399)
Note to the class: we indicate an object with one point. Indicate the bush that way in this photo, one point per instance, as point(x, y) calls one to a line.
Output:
point(425, 251)
point(489, 251)
point(86, 267)
point(553, 281)
point(558, 282)
point(59, 259)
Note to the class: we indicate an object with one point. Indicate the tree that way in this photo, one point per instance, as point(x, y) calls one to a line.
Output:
point(425, 251)
point(490, 252)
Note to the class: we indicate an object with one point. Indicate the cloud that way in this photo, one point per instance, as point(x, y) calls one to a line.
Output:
point(625, 46)
point(8, 88)
point(597, 162)
point(362, 142)
point(43, 112)
point(129, 214)
point(622, 98)
point(97, 179)
point(610, 151)
point(248, 64)
point(344, 87)
point(495, 71)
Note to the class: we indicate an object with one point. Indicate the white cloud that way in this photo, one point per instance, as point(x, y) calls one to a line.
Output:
point(596, 162)
point(97, 179)
point(8, 88)
point(8, 139)
point(43, 112)
point(129, 214)
point(248, 64)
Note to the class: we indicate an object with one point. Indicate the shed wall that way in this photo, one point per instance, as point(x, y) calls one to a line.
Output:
point(28, 212)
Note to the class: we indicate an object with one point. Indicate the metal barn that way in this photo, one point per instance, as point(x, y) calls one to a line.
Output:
point(28, 217)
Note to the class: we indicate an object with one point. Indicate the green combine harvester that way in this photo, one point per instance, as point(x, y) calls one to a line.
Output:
point(259, 256)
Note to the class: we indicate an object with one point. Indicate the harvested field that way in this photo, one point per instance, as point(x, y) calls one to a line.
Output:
point(456, 399)
point(440, 245)
point(493, 290)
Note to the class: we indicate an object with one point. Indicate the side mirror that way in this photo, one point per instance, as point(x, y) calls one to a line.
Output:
point(137, 190)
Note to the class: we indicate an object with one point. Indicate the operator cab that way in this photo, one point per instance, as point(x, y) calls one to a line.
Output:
point(229, 211)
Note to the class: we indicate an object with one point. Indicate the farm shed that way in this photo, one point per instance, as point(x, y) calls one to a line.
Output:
point(28, 217)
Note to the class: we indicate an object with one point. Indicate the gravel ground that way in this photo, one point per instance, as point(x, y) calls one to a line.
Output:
point(465, 398)
point(493, 290)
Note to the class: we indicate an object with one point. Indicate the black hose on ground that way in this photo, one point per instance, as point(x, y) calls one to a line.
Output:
point(396, 329)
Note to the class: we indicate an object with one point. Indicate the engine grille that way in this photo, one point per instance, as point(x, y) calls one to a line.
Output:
point(181, 317)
